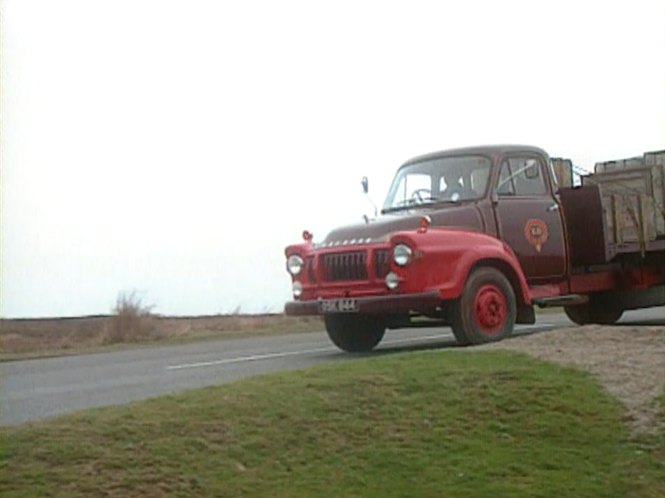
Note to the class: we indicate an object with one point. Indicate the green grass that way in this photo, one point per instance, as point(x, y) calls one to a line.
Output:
point(435, 423)
point(646, 464)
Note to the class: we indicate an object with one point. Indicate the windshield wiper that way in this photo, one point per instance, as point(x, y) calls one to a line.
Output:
point(414, 204)
point(446, 201)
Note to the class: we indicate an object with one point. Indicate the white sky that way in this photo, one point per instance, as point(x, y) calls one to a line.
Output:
point(175, 148)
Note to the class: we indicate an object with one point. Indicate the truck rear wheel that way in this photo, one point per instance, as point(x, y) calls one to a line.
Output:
point(354, 333)
point(593, 313)
point(486, 310)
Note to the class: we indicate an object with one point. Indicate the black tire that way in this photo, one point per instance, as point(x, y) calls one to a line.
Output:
point(486, 310)
point(593, 313)
point(355, 333)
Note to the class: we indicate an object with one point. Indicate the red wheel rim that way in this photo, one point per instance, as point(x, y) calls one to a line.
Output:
point(490, 309)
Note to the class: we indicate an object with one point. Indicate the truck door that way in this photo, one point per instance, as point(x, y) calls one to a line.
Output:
point(529, 217)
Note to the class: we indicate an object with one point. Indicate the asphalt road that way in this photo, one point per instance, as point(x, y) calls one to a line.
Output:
point(37, 389)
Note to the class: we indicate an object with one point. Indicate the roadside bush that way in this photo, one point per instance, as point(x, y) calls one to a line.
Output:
point(132, 320)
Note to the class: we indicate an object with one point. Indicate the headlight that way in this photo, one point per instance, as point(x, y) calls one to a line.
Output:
point(297, 289)
point(294, 264)
point(392, 281)
point(402, 254)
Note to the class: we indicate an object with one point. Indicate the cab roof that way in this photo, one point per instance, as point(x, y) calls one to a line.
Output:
point(493, 151)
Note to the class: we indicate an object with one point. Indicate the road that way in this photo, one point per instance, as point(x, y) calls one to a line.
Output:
point(37, 389)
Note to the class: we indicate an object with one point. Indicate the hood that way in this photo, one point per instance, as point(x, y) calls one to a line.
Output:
point(465, 215)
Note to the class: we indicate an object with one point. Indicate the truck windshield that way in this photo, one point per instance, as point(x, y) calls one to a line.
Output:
point(444, 179)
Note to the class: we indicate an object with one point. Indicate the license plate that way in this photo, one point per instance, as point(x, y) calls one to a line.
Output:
point(338, 306)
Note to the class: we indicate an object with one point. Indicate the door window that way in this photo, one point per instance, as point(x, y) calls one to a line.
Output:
point(521, 176)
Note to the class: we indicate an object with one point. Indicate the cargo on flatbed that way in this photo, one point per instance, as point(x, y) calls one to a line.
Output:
point(633, 192)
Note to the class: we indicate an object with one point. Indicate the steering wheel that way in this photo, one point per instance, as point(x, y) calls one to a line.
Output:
point(420, 195)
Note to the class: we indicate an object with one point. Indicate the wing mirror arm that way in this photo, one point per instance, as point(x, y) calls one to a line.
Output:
point(365, 183)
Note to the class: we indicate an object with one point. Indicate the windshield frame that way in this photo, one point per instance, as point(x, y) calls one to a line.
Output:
point(434, 202)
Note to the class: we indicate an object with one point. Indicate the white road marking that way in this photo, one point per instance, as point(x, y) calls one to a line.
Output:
point(329, 349)
point(269, 356)
point(248, 358)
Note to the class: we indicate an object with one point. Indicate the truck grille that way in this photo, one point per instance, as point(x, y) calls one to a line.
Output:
point(345, 266)
point(309, 264)
point(381, 263)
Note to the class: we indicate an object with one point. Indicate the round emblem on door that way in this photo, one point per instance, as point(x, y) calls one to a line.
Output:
point(536, 233)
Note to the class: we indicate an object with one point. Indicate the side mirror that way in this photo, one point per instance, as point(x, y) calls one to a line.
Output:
point(532, 170)
point(365, 184)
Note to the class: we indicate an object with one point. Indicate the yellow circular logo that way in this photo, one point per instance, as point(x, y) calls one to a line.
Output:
point(536, 233)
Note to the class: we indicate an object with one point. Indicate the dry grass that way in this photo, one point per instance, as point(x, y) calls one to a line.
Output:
point(23, 338)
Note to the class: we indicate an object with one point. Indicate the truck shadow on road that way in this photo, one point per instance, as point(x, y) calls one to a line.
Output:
point(447, 343)
point(643, 323)
point(450, 343)
point(421, 346)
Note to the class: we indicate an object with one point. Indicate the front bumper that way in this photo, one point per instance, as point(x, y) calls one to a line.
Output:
point(393, 304)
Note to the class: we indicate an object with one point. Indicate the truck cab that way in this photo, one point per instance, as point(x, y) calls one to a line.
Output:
point(508, 192)
point(470, 238)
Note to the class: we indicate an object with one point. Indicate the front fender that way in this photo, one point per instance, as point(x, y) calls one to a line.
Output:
point(443, 259)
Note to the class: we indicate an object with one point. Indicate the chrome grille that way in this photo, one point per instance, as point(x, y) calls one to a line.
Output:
point(345, 266)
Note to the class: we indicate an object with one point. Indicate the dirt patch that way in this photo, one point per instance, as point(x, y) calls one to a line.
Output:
point(628, 361)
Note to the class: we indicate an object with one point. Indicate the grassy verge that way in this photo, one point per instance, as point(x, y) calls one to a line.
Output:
point(414, 424)
point(645, 466)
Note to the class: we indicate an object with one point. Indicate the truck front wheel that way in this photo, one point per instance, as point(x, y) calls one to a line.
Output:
point(486, 310)
point(592, 312)
point(354, 333)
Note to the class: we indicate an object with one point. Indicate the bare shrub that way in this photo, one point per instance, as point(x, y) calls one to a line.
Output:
point(132, 320)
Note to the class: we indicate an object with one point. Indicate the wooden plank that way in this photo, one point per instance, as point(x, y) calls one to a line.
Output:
point(630, 184)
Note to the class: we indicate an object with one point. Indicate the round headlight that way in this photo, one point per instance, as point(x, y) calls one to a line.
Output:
point(392, 281)
point(402, 254)
point(297, 289)
point(294, 264)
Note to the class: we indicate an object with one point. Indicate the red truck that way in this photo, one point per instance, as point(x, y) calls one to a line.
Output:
point(474, 238)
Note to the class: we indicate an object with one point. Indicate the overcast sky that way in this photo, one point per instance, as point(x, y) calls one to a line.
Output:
point(175, 148)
